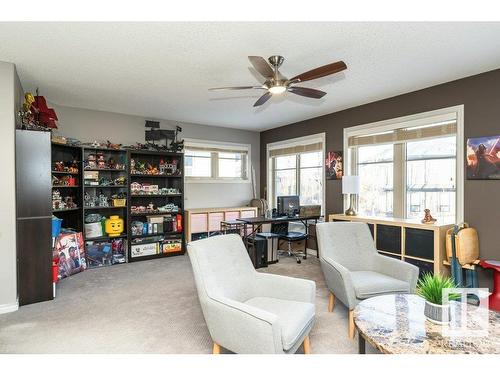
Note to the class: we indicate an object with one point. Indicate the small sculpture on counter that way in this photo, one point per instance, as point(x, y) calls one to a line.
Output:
point(428, 219)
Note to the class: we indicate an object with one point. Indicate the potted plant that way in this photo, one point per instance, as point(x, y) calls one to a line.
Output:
point(430, 287)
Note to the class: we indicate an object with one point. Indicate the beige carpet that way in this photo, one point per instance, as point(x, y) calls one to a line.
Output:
point(146, 307)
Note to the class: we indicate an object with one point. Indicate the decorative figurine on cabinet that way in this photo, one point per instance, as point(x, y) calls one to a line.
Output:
point(428, 219)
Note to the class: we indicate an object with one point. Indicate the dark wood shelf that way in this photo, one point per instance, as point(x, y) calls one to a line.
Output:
point(105, 238)
point(67, 209)
point(155, 175)
point(103, 149)
point(104, 170)
point(156, 256)
point(152, 213)
point(65, 186)
point(71, 173)
point(104, 186)
point(155, 195)
point(103, 207)
point(151, 152)
point(155, 235)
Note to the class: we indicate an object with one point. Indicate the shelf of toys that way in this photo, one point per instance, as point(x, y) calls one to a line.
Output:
point(156, 191)
point(105, 178)
point(126, 204)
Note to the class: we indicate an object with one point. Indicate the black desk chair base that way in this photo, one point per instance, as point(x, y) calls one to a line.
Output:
point(292, 237)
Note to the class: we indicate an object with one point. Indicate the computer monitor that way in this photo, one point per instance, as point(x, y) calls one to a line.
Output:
point(288, 205)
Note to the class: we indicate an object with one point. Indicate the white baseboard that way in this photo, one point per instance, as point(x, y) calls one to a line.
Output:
point(10, 307)
point(312, 252)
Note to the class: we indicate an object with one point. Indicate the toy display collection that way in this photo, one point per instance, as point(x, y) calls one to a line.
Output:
point(92, 178)
point(60, 203)
point(101, 182)
point(66, 180)
point(98, 161)
point(153, 209)
point(167, 224)
point(66, 167)
point(138, 167)
point(148, 189)
point(102, 200)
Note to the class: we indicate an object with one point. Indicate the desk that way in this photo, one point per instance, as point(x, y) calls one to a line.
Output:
point(257, 222)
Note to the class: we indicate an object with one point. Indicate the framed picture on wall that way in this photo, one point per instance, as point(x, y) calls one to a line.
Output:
point(334, 165)
point(483, 158)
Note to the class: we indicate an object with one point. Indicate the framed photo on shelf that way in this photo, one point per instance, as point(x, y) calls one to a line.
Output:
point(483, 158)
point(334, 165)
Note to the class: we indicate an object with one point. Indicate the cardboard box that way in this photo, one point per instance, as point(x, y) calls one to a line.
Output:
point(142, 250)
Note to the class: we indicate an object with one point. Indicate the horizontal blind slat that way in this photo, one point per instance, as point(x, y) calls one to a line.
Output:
point(404, 135)
point(296, 149)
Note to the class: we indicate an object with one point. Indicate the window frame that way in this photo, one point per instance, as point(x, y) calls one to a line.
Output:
point(221, 147)
point(399, 178)
point(270, 162)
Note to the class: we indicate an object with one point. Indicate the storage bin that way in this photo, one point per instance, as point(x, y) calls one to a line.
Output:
point(93, 230)
point(56, 226)
point(119, 202)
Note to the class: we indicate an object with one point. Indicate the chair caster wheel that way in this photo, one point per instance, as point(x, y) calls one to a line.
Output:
point(299, 261)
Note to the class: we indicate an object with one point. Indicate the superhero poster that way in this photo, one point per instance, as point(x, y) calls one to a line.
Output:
point(483, 158)
point(333, 165)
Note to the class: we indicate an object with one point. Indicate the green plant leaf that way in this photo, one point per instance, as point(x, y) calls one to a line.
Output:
point(430, 287)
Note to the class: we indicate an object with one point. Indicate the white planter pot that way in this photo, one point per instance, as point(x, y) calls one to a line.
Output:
point(439, 314)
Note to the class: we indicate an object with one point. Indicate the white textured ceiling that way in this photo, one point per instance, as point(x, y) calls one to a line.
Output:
point(163, 70)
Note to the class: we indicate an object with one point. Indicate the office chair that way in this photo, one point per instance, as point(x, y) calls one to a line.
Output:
point(281, 229)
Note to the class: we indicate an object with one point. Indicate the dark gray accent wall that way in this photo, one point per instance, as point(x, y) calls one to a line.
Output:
point(480, 96)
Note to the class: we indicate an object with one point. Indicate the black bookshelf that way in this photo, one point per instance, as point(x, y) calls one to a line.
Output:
point(68, 182)
point(151, 169)
point(109, 181)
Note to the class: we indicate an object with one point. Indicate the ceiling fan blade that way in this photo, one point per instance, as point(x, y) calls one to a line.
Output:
point(322, 71)
point(264, 98)
point(261, 65)
point(237, 88)
point(304, 91)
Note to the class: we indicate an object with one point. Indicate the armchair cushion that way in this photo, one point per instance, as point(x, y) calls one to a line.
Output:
point(369, 284)
point(295, 318)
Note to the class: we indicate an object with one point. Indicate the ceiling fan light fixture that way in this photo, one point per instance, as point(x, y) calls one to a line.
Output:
point(276, 90)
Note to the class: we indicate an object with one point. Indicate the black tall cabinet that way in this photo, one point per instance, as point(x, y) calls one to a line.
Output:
point(34, 216)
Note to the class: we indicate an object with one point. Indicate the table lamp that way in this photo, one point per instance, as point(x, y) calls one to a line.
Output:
point(350, 185)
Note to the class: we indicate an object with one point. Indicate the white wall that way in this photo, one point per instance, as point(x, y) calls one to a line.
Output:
point(10, 96)
point(89, 125)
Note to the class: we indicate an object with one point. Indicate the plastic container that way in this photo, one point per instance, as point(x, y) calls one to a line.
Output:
point(56, 226)
point(93, 230)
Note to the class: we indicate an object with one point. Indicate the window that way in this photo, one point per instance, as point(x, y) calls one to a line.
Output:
point(296, 168)
point(375, 170)
point(410, 164)
point(198, 163)
point(431, 177)
point(227, 162)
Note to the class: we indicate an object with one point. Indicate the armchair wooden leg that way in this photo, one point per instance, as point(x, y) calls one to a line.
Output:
point(216, 348)
point(307, 345)
point(331, 302)
point(351, 324)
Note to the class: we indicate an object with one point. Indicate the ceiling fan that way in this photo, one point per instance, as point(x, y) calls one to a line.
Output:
point(276, 83)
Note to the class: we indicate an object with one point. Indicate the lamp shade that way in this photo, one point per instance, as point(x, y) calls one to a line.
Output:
point(350, 185)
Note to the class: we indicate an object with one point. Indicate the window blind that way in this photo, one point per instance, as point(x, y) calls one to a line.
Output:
point(216, 149)
point(443, 129)
point(298, 149)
